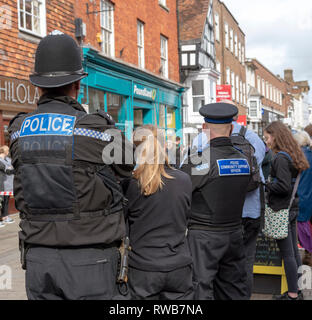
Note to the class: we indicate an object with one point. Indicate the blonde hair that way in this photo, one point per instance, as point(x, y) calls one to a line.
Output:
point(303, 139)
point(151, 159)
point(4, 149)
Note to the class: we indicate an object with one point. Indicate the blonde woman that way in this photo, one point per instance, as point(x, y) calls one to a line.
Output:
point(160, 264)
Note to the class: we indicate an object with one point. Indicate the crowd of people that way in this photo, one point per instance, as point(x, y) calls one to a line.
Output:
point(6, 185)
point(192, 220)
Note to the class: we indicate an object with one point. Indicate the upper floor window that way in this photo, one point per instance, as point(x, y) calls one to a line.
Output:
point(164, 56)
point(218, 68)
point(140, 32)
point(198, 94)
point(239, 52)
point(231, 40)
point(233, 85)
point(217, 27)
point(235, 45)
point(243, 54)
point(32, 16)
point(107, 26)
point(162, 2)
point(228, 76)
point(226, 34)
point(253, 109)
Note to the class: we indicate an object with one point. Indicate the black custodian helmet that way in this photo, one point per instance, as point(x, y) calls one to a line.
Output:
point(58, 62)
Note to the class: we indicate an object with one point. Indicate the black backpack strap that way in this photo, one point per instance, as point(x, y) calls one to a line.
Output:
point(243, 131)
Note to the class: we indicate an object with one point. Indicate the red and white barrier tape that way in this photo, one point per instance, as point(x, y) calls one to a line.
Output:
point(5, 193)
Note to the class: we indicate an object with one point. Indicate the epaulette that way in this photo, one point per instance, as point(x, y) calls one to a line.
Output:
point(17, 116)
point(108, 117)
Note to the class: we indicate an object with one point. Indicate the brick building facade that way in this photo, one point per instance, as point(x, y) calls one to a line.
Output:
point(230, 53)
point(131, 44)
point(266, 96)
point(22, 25)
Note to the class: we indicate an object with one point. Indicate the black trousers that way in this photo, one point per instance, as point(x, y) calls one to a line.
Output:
point(5, 206)
point(172, 285)
point(289, 251)
point(72, 274)
point(251, 229)
point(219, 264)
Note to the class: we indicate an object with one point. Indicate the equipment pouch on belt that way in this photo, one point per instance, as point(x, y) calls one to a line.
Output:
point(122, 278)
point(23, 251)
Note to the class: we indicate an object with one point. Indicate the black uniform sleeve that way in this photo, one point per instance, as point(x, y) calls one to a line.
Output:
point(282, 184)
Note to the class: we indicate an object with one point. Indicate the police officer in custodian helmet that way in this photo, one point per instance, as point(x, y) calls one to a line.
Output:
point(220, 175)
point(70, 206)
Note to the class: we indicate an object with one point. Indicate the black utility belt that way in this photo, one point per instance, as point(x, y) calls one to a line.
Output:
point(114, 244)
point(214, 228)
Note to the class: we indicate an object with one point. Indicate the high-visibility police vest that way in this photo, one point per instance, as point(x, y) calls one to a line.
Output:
point(219, 184)
point(65, 193)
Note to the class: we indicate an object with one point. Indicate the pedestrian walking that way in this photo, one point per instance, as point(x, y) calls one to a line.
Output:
point(157, 214)
point(7, 184)
point(254, 202)
point(305, 199)
point(287, 163)
point(219, 187)
point(69, 199)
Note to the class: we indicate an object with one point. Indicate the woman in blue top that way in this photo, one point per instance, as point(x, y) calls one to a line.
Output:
point(305, 199)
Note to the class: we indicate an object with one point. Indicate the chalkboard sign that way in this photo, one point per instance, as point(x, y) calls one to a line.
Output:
point(267, 252)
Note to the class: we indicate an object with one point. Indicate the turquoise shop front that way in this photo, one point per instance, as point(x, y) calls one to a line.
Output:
point(132, 96)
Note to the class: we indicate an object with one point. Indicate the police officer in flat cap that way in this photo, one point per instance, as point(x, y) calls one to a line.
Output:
point(220, 175)
point(70, 200)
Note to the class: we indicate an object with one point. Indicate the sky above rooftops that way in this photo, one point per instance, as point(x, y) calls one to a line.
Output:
point(278, 34)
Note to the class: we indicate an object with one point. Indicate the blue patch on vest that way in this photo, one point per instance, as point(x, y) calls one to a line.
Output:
point(233, 167)
point(48, 124)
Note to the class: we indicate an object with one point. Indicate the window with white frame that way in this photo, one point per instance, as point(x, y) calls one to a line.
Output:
point(32, 16)
point(164, 56)
point(241, 91)
point(263, 87)
point(231, 40)
point(228, 75)
point(271, 93)
point(244, 94)
point(140, 34)
point(198, 94)
point(253, 109)
point(259, 84)
point(233, 85)
point(243, 54)
point(239, 52)
point(218, 67)
point(235, 45)
point(162, 2)
point(226, 34)
point(107, 27)
point(217, 27)
point(267, 90)
point(237, 88)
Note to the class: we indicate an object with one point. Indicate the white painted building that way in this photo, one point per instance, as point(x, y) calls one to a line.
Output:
point(198, 73)
point(300, 115)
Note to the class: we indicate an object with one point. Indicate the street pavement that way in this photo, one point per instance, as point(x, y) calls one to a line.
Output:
point(9, 257)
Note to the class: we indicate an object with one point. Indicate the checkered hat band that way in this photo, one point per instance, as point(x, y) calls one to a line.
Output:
point(92, 134)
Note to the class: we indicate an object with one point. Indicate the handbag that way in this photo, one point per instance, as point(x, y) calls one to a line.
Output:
point(276, 222)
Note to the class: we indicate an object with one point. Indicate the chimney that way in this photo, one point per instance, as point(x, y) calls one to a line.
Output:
point(288, 75)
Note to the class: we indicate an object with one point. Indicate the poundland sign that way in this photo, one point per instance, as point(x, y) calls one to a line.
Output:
point(144, 92)
point(17, 93)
